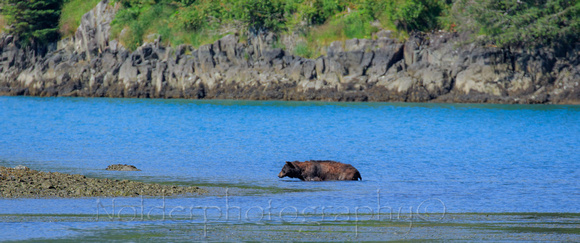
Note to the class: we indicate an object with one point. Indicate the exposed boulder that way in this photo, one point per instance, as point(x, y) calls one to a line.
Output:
point(120, 167)
point(21, 167)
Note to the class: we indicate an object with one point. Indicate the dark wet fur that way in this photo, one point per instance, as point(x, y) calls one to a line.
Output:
point(320, 170)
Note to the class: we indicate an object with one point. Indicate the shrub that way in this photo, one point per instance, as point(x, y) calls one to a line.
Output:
point(302, 49)
point(72, 13)
point(195, 17)
point(523, 22)
point(322, 21)
point(2, 23)
point(324, 9)
point(415, 15)
point(33, 21)
point(339, 28)
point(140, 20)
point(260, 15)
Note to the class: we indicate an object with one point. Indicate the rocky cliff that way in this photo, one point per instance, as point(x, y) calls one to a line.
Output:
point(434, 67)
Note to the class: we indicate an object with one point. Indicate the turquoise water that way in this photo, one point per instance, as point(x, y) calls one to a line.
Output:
point(458, 157)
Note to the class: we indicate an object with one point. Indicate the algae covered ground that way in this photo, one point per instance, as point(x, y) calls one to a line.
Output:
point(452, 226)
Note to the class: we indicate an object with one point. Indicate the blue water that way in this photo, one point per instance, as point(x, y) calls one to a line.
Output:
point(467, 157)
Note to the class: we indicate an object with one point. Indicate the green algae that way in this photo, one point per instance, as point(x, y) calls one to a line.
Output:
point(530, 229)
point(468, 226)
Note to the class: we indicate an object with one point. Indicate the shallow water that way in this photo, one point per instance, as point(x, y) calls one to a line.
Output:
point(453, 157)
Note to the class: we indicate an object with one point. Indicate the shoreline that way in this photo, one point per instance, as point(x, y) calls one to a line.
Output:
point(122, 223)
point(23, 182)
point(567, 103)
point(427, 67)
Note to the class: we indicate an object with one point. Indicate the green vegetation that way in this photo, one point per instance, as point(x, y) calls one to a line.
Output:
point(302, 49)
point(411, 15)
point(2, 23)
point(360, 19)
point(140, 21)
point(522, 22)
point(176, 22)
point(71, 14)
point(339, 28)
point(319, 22)
point(35, 22)
point(306, 226)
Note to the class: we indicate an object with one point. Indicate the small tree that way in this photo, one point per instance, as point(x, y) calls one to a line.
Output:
point(32, 21)
point(415, 15)
point(260, 15)
point(522, 22)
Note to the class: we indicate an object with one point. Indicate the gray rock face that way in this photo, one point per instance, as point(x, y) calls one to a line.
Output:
point(92, 36)
point(425, 68)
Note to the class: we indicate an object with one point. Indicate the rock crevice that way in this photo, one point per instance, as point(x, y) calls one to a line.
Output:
point(426, 68)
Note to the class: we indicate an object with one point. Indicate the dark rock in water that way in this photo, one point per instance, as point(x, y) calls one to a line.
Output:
point(120, 167)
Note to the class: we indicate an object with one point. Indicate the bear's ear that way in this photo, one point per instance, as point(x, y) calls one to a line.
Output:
point(291, 165)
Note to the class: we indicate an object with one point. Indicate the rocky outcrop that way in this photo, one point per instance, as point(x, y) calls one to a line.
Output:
point(426, 68)
point(120, 167)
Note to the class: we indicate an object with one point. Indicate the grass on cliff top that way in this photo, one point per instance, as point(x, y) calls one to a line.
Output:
point(2, 24)
point(71, 15)
point(135, 26)
point(339, 28)
point(204, 21)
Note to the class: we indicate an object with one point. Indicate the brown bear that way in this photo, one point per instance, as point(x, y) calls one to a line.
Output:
point(320, 170)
